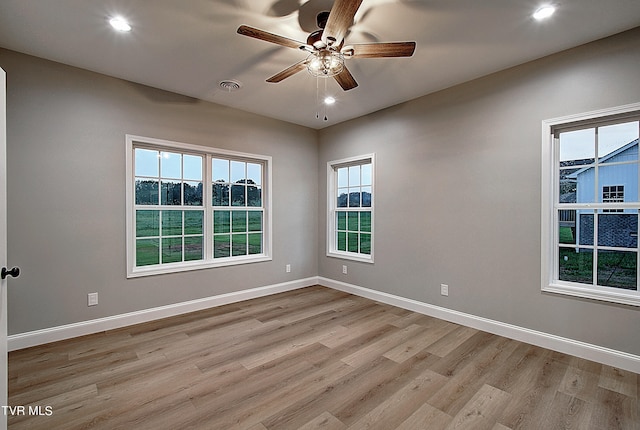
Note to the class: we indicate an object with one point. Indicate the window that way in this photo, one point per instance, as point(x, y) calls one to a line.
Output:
point(613, 194)
point(237, 208)
point(192, 207)
point(350, 218)
point(168, 207)
point(591, 205)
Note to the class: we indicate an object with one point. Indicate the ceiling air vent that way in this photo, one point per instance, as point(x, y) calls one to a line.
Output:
point(230, 85)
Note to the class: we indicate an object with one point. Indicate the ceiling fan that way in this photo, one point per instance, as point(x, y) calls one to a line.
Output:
point(326, 47)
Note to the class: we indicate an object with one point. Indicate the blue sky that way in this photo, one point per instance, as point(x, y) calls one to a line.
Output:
point(580, 144)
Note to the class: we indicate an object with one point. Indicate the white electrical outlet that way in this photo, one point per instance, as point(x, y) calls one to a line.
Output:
point(444, 289)
point(92, 299)
point(344, 269)
point(287, 268)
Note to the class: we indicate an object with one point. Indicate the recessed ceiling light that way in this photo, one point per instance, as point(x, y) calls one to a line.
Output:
point(120, 24)
point(544, 12)
point(329, 100)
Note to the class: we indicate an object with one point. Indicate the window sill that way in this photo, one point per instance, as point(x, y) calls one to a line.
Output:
point(198, 265)
point(350, 256)
point(611, 295)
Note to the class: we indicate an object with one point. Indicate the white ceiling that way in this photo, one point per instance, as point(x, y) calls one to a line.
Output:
point(189, 46)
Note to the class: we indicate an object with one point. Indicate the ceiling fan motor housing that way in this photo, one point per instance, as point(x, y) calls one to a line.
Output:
point(315, 39)
point(321, 18)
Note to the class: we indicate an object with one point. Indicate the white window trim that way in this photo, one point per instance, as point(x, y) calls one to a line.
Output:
point(331, 205)
point(549, 251)
point(208, 152)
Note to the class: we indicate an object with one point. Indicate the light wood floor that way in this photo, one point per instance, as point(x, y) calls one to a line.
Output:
point(313, 359)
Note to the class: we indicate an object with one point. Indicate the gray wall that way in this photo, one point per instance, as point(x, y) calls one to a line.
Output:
point(458, 191)
point(66, 185)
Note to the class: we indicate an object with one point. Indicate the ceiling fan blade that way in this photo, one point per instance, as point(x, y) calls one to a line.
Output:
point(289, 71)
point(340, 19)
point(380, 50)
point(345, 80)
point(256, 33)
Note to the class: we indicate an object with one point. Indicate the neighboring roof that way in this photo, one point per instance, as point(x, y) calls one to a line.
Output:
point(604, 158)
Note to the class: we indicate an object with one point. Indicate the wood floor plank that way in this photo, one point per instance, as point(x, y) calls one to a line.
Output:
point(312, 358)
point(310, 385)
point(398, 407)
point(567, 412)
point(420, 319)
point(614, 411)
point(451, 341)
point(534, 396)
point(619, 381)
point(381, 345)
point(69, 400)
point(169, 415)
point(482, 411)
point(461, 356)
point(41, 378)
point(579, 383)
point(426, 417)
point(465, 380)
point(375, 313)
point(338, 398)
point(284, 348)
point(519, 368)
point(324, 421)
point(421, 340)
point(360, 330)
point(384, 384)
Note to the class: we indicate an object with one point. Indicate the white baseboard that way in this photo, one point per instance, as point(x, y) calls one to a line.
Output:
point(54, 334)
point(619, 359)
point(611, 357)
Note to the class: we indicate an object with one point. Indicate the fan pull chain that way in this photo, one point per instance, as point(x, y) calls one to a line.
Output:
point(317, 97)
point(323, 102)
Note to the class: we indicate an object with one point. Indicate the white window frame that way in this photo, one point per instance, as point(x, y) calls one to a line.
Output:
point(332, 188)
point(208, 153)
point(550, 188)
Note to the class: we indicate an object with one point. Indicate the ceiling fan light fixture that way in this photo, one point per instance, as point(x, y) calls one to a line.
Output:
point(325, 63)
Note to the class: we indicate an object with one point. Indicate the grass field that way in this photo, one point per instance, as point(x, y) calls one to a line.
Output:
point(616, 269)
point(169, 236)
point(566, 235)
point(354, 231)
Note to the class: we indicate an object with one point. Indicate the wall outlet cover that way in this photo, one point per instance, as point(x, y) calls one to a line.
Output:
point(444, 289)
point(92, 299)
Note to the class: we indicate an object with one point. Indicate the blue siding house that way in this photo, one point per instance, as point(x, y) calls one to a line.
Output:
point(625, 175)
point(616, 183)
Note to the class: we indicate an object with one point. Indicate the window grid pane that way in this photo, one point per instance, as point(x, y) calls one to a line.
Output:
point(161, 178)
point(236, 183)
point(598, 247)
point(237, 187)
point(237, 232)
point(353, 191)
point(167, 186)
point(168, 236)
